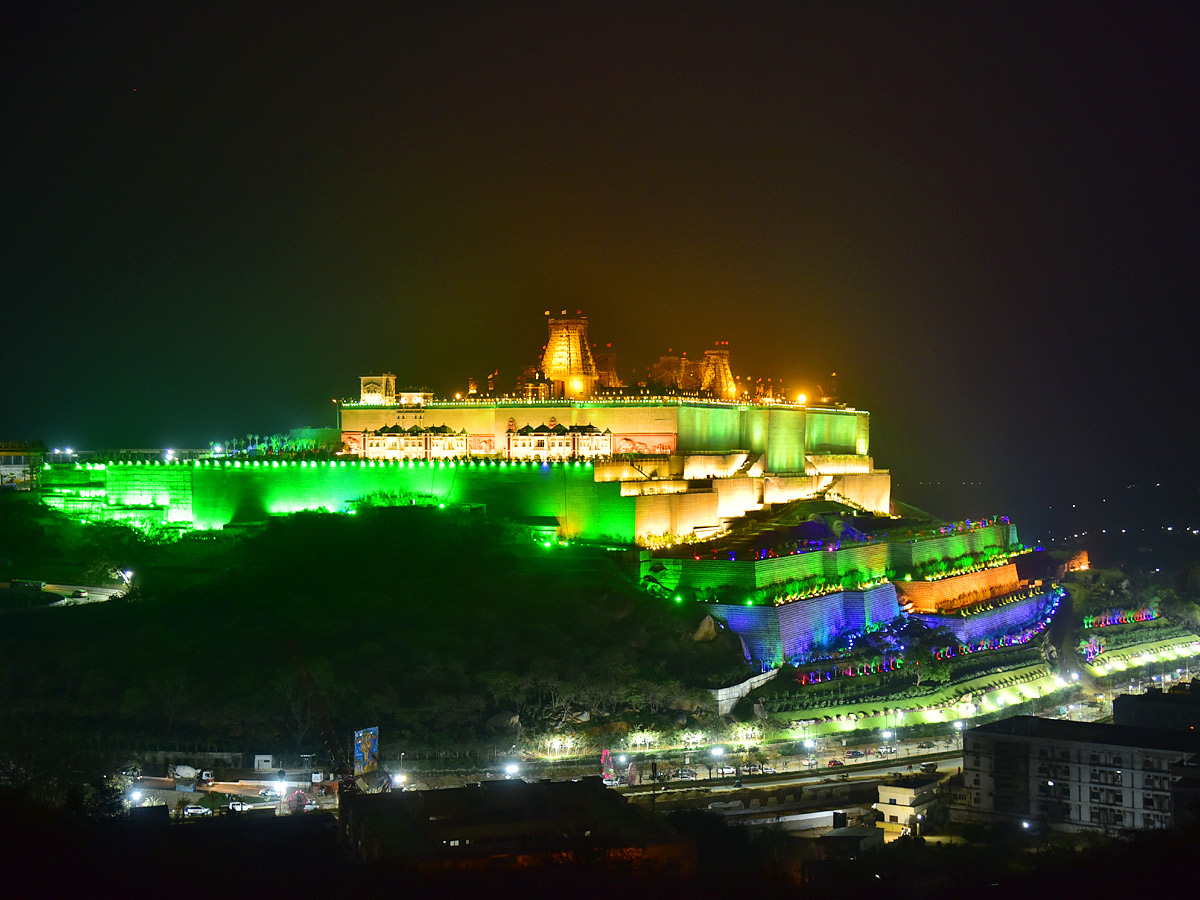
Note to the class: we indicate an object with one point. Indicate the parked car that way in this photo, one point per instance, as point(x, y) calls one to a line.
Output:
point(80, 592)
point(197, 811)
point(684, 774)
point(835, 762)
point(769, 770)
point(925, 745)
point(929, 768)
point(726, 770)
point(238, 806)
point(270, 794)
point(855, 754)
point(888, 748)
point(310, 806)
point(752, 768)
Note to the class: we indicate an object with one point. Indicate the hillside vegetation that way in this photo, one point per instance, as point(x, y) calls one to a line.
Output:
point(424, 621)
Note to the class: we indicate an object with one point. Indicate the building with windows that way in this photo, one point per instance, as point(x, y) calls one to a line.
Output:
point(907, 805)
point(1075, 776)
point(1177, 708)
point(19, 465)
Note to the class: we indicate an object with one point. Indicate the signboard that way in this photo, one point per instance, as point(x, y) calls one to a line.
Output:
point(366, 750)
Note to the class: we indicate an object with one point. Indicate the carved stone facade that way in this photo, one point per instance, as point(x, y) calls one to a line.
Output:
point(568, 362)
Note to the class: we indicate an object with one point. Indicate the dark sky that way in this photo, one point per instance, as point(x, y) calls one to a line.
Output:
point(983, 219)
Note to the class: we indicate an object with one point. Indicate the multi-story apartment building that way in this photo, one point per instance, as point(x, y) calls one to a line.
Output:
point(1072, 775)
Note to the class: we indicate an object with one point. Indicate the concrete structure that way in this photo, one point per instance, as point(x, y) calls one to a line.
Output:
point(19, 465)
point(1178, 709)
point(907, 805)
point(512, 825)
point(1075, 776)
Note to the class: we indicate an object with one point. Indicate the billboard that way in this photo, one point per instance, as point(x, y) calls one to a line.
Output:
point(366, 750)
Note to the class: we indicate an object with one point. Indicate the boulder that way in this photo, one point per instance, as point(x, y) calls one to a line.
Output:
point(708, 631)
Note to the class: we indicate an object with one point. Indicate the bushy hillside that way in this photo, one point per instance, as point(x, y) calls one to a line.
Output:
point(425, 621)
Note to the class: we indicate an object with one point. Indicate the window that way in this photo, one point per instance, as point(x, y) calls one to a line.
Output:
point(893, 819)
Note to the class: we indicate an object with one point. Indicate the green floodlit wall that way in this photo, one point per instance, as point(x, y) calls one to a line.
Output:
point(954, 546)
point(871, 560)
point(711, 428)
point(785, 441)
point(832, 431)
point(565, 491)
point(213, 495)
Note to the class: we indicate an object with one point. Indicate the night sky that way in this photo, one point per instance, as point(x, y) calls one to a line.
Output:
point(984, 220)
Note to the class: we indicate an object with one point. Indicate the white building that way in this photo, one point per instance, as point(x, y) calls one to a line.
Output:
point(906, 805)
point(1072, 775)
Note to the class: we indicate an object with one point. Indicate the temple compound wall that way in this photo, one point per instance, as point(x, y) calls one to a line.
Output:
point(775, 634)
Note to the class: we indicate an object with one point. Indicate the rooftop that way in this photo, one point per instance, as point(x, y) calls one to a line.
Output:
point(1093, 733)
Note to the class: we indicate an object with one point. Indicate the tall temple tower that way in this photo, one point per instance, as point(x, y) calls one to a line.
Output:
point(716, 376)
point(568, 361)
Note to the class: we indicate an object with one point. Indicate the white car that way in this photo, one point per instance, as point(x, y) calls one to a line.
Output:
point(726, 770)
point(310, 806)
point(239, 806)
point(197, 811)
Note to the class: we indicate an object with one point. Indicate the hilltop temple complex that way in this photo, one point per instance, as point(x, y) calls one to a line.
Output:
point(575, 455)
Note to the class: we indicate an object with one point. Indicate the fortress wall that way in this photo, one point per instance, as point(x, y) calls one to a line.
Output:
point(948, 593)
point(709, 428)
point(1008, 619)
point(813, 623)
point(736, 495)
point(832, 431)
point(873, 491)
point(567, 492)
point(862, 434)
point(837, 464)
point(674, 513)
point(757, 626)
point(647, 467)
point(871, 607)
point(704, 574)
point(168, 486)
point(953, 546)
point(785, 440)
point(716, 465)
point(785, 488)
point(870, 559)
point(881, 604)
point(775, 634)
point(786, 568)
point(756, 428)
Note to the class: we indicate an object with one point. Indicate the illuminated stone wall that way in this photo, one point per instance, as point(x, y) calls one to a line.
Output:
point(564, 491)
point(958, 590)
point(835, 431)
point(1008, 619)
point(167, 486)
point(214, 494)
point(955, 545)
point(871, 560)
point(786, 440)
point(737, 495)
point(711, 428)
point(777, 634)
point(873, 491)
point(674, 513)
point(784, 434)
